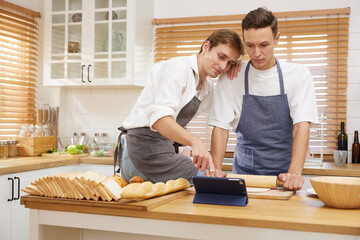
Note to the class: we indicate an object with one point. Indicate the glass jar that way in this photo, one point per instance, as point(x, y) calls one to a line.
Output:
point(37, 131)
point(99, 138)
point(4, 150)
point(26, 130)
point(12, 148)
point(109, 149)
point(23, 131)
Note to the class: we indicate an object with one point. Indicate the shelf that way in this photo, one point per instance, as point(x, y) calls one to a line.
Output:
point(113, 21)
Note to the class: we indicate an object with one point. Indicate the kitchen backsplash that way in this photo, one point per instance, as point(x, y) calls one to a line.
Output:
point(94, 110)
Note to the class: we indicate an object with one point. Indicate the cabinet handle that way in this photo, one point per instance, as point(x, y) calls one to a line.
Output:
point(18, 196)
point(89, 73)
point(12, 189)
point(82, 73)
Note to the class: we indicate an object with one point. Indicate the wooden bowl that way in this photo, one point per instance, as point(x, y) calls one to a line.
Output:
point(338, 192)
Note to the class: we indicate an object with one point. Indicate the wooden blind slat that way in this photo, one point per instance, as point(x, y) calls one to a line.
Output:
point(22, 33)
point(27, 84)
point(237, 25)
point(19, 61)
point(17, 16)
point(15, 21)
point(238, 17)
point(6, 34)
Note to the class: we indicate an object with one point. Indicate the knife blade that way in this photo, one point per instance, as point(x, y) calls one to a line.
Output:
point(51, 115)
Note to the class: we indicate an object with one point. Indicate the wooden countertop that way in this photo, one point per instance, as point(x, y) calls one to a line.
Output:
point(22, 164)
point(301, 213)
point(329, 169)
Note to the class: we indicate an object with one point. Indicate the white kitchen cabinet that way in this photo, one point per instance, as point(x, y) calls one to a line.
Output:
point(113, 49)
point(14, 218)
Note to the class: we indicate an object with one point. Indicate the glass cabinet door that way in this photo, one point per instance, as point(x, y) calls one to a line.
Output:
point(66, 42)
point(110, 39)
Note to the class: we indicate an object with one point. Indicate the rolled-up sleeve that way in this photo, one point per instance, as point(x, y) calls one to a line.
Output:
point(169, 82)
point(222, 113)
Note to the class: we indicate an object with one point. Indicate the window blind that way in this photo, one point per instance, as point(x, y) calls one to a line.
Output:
point(18, 67)
point(317, 38)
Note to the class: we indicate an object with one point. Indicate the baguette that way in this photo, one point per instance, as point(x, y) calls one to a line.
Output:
point(147, 189)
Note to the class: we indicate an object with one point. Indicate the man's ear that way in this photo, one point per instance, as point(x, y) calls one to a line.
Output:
point(206, 46)
point(277, 38)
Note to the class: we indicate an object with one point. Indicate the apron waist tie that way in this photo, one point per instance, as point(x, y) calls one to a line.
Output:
point(119, 150)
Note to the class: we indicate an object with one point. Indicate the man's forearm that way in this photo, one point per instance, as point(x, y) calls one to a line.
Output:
point(219, 139)
point(299, 147)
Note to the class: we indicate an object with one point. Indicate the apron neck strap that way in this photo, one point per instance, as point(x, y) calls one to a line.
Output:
point(281, 79)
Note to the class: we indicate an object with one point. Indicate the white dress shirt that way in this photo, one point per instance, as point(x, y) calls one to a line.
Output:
point(299, 87)
point(171, 86)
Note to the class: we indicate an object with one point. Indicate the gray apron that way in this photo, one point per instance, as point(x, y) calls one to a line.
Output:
point(154, 155)
point(264, 132)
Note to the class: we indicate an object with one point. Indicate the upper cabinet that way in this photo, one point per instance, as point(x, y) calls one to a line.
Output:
point(97, 42)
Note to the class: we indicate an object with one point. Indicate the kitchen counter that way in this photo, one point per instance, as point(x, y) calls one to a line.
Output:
point(21, 164)
point(301, 217)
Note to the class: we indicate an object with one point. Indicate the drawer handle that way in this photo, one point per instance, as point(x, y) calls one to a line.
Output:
point(12, 189)
point(82, 73)
point(89, 73)
point(18, 196)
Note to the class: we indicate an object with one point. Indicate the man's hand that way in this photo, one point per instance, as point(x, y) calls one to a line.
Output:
point(216, 173)
point(201, 157)
point(292, 181)
point(234, 70)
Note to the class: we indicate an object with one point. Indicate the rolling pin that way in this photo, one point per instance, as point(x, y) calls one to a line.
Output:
point(259, 181)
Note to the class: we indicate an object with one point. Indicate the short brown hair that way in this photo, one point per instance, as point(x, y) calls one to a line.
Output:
point(225, 36)
point(260, 18)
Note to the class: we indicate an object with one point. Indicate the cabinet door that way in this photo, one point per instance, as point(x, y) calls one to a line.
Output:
point(5, 207)
point(109, 42)
point(63, 43)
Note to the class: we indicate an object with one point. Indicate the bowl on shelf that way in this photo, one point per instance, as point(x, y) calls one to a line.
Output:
point(338, 192)
point(73, 47)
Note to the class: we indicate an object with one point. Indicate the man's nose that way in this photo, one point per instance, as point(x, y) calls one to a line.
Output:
point(257, 52)
point(223, 65)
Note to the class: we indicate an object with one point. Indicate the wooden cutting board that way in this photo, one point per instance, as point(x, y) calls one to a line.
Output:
point(276, 194)
point(141, 205)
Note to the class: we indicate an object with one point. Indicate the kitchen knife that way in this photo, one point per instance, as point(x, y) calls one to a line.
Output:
point(43, 116)
point(259, 181)
point(56, 121)
point(51, 113)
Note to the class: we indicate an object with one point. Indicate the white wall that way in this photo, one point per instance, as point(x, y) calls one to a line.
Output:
point(103, 109)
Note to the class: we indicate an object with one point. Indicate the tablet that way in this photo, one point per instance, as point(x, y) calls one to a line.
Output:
point(220, 191)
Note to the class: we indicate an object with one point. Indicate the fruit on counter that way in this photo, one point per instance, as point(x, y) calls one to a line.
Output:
point(72, 149)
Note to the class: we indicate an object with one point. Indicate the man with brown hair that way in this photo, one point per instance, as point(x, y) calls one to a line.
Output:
point(269, 105)
point(178, 90)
